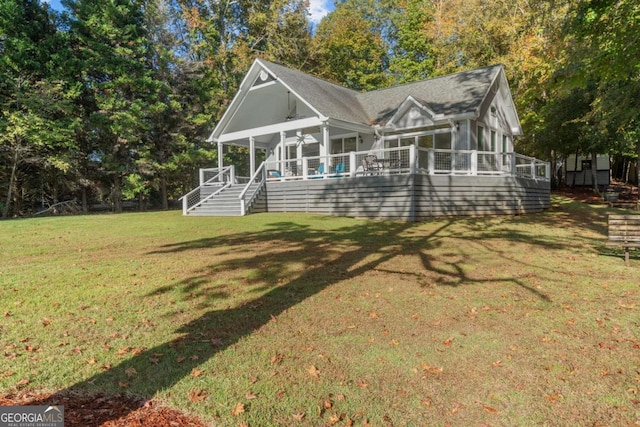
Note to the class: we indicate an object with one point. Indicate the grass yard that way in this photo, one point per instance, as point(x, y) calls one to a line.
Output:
point(275, 319)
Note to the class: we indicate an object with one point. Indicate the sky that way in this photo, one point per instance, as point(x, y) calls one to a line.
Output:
point(317, 8)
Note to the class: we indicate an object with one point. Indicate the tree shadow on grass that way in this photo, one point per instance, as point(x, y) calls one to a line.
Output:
point(288, 263)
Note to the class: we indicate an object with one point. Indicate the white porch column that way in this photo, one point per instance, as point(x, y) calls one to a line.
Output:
point(324, 147)
point(282, 151)
point(220, 159)
point(252, 155)
point(352, 162)
point(412, 158)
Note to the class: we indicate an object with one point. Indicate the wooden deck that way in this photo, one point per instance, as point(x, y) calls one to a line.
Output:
point(409, 197)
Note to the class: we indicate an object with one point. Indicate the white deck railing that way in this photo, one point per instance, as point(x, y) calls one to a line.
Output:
point(214, 179)
point(409, 159)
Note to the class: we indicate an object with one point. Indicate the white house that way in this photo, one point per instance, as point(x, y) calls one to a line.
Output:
point(443, 146)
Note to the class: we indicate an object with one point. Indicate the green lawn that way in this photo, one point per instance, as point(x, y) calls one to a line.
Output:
point(276, 319)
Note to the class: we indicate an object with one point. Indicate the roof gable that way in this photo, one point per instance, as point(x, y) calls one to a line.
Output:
point(449, 95)
point(286, 92)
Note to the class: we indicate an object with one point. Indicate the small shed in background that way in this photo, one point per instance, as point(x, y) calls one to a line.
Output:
point(582, 170)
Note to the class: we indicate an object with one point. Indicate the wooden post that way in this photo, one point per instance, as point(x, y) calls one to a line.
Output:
point(220, 159)
point(431, 161)
point(352, 164)
point(412, 158)
point(252, 155)
point(474, 162)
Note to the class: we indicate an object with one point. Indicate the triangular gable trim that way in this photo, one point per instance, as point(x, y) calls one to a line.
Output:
point(248, 84)
point(503, 88)
point(405, 107)
point(264, 78)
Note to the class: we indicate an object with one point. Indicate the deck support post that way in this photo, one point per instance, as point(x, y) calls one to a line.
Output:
point(252, 155)
point(412, 158)
point(220, 158)
point(431, 161)
point(352, 164)
point(474, 163)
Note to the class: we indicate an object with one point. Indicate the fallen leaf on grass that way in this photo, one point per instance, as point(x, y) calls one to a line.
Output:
point(7, 314)
point(123, 384)
point(46, 321)
point(335, 419)
point(239, 409)
point(22, 382)
point(124, 350)
point(431, 369)
point(130, 372)
point(448, 341)
point(299, 417)
point(196, 372)
point(553, 398)
point(490, 410)
point(313, 371)
point(198, 395)
point(250, 395)
point(362, 384)
point(92, 361)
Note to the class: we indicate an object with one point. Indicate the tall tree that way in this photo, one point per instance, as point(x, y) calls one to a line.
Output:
point(413, 56)
point(35, 128)
point(348, 50)
point(603, 40)
point(114, 48)
point(288, 33)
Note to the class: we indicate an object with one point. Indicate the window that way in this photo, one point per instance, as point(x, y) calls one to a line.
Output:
point(494, 142)
point(505, 144)
point(344, 145)
point(425, 141)
point(442, 141)
point(480, 138)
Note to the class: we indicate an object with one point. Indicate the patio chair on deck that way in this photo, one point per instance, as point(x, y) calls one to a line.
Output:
point(339, 170)
point(372, 164)
point(319, 172)
point(272, 173)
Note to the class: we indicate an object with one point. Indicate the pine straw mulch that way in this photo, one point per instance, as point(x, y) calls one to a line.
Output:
point(105, 411)
point(587, 195)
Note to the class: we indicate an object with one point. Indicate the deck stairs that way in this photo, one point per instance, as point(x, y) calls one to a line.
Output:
point(225, 203)
point(224, 194)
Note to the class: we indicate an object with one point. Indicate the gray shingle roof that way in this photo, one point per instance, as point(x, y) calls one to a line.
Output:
point(446, 95)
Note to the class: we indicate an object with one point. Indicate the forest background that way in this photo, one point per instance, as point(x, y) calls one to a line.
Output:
point(112, 100)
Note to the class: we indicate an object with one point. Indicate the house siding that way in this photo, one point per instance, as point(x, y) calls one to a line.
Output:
point(408, 197)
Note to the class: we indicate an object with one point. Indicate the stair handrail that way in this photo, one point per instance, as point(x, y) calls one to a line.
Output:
point(225, 184)
point(241, 196)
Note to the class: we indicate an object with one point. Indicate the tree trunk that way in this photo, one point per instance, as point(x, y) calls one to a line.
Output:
point(116, 194)
point(163, 193)
point(12, 179)
point(638, 167)
point(83, 197)
point(594, 173)
point(575, 170)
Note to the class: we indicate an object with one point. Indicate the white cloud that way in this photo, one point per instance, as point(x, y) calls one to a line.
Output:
point(318, 9)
